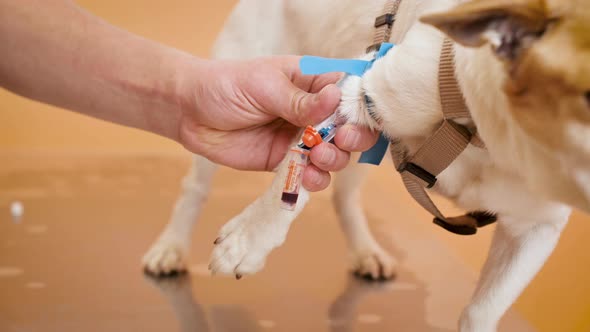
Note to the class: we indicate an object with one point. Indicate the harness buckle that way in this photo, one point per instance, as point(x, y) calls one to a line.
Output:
point(418, 172)
point(382, 20)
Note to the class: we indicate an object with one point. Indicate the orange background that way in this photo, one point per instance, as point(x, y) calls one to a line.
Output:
point(557, 300)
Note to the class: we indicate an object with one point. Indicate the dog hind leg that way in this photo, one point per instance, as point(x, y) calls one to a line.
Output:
point(169, 252)
point(369, 260)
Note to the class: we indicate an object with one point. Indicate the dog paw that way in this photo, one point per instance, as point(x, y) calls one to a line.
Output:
point(243, 245)
point(374, 264)
point(165, 259)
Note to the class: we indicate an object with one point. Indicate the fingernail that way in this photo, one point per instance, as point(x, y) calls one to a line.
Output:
point(328, 156)
point(352, 139)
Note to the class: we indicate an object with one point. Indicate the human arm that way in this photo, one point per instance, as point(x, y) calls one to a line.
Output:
point(55, 52)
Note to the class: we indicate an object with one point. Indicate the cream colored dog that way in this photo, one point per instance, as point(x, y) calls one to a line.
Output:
point(528, 94)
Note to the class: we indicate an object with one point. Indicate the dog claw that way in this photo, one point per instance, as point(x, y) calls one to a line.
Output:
point(217, 241)
point(238, 276)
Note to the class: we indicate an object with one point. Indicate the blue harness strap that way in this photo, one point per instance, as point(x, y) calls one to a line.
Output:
point(375, 155)
point(311, 65)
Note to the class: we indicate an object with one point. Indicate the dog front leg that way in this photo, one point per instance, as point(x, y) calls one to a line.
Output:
point(518, 252)
point(245, 241)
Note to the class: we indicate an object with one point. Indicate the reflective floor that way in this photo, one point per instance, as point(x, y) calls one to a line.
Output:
point(71, 263)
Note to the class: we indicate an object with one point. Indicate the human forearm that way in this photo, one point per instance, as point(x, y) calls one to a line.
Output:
point(54, 52)
point(243, 114)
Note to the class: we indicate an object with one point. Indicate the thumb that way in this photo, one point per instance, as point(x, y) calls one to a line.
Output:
point(309, 108)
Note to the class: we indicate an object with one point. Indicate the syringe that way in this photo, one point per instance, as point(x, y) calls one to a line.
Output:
point(298, 158)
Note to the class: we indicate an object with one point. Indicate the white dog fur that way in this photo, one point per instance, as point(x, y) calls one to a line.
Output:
point(404, 87)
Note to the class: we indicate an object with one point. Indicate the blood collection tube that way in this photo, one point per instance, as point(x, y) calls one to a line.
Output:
point(298, 159)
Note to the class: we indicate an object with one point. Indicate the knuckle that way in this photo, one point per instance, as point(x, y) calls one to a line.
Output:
point(296, 103)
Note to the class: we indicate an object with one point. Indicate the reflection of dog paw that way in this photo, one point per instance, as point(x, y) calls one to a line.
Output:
point(165, 259)
point(243, 245)
point(374, 264)
point(171, 286)
point(359, 287)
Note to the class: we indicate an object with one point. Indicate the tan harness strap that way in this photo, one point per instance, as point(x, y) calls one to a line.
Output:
point(384, 24)
point(414, 184)
point(477, 142)
point(451, 97)
point(420, 171)
point(438, 152)
point(442, 148)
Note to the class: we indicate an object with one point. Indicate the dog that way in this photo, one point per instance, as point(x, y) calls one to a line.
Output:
point(523, 70)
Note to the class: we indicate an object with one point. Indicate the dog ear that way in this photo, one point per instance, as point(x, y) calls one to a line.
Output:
point(510, 26)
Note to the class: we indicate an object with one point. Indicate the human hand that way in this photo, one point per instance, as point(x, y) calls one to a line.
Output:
point(246, 114)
